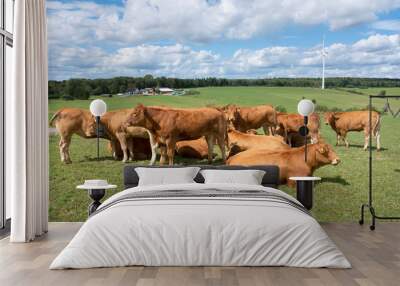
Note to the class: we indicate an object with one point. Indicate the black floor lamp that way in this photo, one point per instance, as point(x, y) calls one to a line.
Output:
point(305, 108)
point(98, 107)
point(369, 206)
point(305, 184)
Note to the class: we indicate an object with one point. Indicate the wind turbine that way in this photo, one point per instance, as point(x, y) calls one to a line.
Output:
point(323, 55)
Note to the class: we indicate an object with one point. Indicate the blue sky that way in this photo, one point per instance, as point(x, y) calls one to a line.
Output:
point(223, 38)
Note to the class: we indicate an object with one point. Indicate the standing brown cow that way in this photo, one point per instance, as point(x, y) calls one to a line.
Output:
point(69, 121)
point(173, 124)
point(344, 122)
point(289, 123)
point(291, 162)
point(246, 118)
point(113, 121)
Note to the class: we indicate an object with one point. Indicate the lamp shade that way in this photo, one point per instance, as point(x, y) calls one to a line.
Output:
point(98, 107)
point(305, 107)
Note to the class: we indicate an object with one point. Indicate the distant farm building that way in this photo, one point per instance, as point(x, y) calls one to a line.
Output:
point(151, 91)
point(132, 91)
point(148, 91)
point(166, 90)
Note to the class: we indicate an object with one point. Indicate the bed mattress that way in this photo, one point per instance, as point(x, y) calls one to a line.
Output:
point(201, 225)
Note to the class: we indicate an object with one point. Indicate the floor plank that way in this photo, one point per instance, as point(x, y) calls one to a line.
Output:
point(375, 257)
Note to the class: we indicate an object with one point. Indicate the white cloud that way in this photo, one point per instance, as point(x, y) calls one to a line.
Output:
point(245, 61)
point(140, 21)
point(378, 43)
point(375, 56)
point(87, 39)
point(387, 25)
point(372, 52)
point(172, 60)
point(77, 22)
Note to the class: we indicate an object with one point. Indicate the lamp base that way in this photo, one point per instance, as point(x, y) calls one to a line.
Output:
point(96, 195)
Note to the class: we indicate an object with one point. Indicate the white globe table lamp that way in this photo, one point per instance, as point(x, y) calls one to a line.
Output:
point(305, 108)
point(98, 107)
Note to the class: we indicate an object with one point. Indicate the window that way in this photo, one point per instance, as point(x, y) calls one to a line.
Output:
point(6, 43)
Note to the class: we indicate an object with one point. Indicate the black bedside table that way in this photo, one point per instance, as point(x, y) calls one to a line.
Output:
point(96, 190)
point(305, 189)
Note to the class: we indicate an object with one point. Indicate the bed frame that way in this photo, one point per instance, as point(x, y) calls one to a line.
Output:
point(271, 177)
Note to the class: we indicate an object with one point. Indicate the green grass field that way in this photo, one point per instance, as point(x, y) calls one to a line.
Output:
point(337, 198)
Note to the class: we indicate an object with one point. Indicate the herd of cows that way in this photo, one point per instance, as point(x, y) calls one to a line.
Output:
point(138, 133)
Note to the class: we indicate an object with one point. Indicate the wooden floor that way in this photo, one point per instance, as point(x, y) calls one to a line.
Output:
point(375, 257)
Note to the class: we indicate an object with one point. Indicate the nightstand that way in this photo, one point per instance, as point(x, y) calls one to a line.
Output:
point(96, 190)
point(305, 189)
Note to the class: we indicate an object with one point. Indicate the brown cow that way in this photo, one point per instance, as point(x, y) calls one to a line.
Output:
point(69, 121)
point(115, 150)
point(239, 142)
point(252, 131)
point(246, 118)
point(291, 162)
point(141, 150)
point(173, 124)
point(113, 121)
point(290, 123)
point(344, 122)
point(197, 148)
point(297, 140)
point(136, 135)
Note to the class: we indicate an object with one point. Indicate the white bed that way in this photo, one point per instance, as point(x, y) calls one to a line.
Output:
point(203, 231)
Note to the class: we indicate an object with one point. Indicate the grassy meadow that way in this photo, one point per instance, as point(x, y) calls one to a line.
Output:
point(337, 197)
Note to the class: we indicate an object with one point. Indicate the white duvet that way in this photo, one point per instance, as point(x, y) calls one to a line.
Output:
point(200, 231)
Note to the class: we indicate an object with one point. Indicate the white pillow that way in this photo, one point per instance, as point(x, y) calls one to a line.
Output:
point(248, 177)
point(166, 176)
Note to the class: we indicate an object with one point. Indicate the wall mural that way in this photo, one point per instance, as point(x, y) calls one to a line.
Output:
point(207, 126)
point(219, 84)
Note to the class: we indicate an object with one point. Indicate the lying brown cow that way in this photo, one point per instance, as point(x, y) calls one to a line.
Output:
point(69, 121)
point(291, 162)
point(113, 121)
point(239, 142)
point(290, 123)
point(141, 151)
point(344, 122)
point(246, 118)
point(173, 124)
point(297, 140)
point(197, 148)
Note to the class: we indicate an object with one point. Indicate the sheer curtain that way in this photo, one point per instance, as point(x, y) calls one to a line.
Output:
point(27, 124)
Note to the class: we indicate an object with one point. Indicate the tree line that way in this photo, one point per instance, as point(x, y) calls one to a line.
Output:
point(78, 88)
